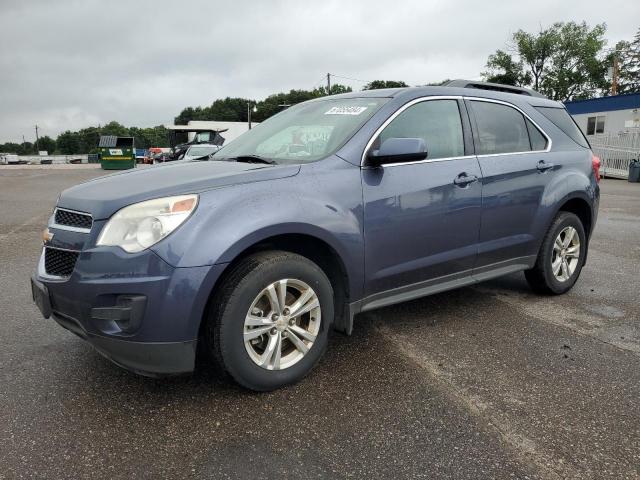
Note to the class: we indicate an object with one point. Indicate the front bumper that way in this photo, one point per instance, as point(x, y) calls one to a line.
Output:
point(154, 334)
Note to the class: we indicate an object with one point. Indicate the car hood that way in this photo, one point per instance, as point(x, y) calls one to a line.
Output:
point(103, 196)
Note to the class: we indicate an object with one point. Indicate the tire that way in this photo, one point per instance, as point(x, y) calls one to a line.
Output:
point(245, 284)
point(541, 277)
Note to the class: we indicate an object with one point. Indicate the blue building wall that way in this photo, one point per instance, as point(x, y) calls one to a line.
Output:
point(605, 104)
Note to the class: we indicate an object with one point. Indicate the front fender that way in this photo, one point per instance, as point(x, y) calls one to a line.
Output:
point(322, 201)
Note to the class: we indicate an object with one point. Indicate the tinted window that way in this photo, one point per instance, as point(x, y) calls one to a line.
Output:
point(501, 129)
point(436, 121)
point(564, 122)
point(538, 140)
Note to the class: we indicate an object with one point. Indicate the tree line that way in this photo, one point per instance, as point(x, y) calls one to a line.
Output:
point(86, 140)
point(566, 61)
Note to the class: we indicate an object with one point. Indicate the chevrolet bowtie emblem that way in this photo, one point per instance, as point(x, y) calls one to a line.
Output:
point(47, 236)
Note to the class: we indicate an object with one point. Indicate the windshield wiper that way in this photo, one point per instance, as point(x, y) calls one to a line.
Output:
point(252, 159)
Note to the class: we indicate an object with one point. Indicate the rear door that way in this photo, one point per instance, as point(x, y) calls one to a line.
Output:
point(421, 222)
point(513, 155)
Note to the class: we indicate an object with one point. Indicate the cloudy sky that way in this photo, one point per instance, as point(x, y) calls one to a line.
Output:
point(68, 64)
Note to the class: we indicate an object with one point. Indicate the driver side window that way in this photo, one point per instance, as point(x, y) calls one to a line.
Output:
point(438, 122)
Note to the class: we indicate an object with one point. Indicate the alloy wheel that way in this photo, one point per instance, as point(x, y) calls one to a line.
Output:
point(566, 254)
point(282, 324)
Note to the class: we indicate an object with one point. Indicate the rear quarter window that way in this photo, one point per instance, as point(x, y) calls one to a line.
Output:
point(561, 119)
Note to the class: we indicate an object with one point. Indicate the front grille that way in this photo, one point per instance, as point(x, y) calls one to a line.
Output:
point(73, 219)
point(59, 262)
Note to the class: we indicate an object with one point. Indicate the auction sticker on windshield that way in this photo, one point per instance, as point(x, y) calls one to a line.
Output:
point(345, 110)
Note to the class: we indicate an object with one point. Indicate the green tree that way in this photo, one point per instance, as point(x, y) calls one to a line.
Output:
point(150, 137)
point(68, 143)
point(88, 139)
point(628, 56)
point(186, 115)
point(114, 128)
point(502, 68)
point(578, 69)
point(47, 144)
point(10, 147)
point(235, 109)
point(564, 61)
point(535, 50)
point(377, 84)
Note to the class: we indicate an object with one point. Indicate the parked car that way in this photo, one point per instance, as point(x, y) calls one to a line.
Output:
point(335, 206)
point(161, 157)
point(9, 159)
point(201, 136)
point(200, 151)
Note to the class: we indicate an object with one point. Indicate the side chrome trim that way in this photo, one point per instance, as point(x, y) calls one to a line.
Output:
point(68, 228)
point(434, 160)
point(398, 112)
point(440, 284)
point(453, 97)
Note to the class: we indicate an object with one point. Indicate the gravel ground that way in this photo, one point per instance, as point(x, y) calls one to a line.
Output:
point(484, 382)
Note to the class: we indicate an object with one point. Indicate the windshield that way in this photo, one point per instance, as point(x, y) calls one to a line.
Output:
point(201, 151)
point(304, 132)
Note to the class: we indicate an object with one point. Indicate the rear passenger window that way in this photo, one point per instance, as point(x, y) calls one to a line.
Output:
point(501, 129)
point(538, 140)
point(436, 121)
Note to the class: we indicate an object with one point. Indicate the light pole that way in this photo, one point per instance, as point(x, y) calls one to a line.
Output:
point(249, 110)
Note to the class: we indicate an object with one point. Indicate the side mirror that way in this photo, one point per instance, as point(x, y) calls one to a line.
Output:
point(398, 150)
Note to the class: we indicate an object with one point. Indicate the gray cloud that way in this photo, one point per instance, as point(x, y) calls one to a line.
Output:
point(67, 64)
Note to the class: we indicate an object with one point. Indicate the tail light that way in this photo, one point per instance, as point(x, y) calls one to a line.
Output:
point(595, 162)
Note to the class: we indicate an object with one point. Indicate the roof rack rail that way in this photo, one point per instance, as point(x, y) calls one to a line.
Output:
point(498, 87)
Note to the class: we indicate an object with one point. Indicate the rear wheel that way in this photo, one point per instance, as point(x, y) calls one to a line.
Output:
point(271, 320)
point(561, 256)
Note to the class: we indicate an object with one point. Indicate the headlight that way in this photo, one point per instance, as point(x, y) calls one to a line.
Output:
point(144, 224)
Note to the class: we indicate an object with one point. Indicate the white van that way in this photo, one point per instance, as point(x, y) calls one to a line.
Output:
point(8, 159)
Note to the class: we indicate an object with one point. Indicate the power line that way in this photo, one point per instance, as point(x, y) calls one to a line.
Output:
point(350, 78)
point(321, 82)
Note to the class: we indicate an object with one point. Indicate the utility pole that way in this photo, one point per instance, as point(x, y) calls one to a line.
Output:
point(614, 76)
point(37, 140)
point(250, 109)
point(328, 84)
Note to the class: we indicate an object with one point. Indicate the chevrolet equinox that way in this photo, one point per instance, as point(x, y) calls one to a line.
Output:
point(332, 207)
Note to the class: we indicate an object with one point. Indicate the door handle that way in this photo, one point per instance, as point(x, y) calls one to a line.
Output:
point(463, 179)
point(544, 166)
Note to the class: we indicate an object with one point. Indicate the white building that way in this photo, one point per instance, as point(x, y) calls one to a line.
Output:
point(607, 115)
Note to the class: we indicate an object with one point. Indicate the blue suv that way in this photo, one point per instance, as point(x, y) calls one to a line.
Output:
point(332, 207)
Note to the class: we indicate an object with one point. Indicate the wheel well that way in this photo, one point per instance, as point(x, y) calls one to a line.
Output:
point(581, 209)
point(316, 250)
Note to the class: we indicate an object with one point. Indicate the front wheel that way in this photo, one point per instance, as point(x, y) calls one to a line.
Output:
point(561, 256)
point(271, 318)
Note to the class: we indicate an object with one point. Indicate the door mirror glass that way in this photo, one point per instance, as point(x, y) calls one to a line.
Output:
point(397, 150)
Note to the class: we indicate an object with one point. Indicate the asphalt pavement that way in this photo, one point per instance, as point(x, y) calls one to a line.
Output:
point(490, 381)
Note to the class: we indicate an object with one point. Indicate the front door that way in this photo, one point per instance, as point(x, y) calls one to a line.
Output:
point(422, 218)
point(516, 167)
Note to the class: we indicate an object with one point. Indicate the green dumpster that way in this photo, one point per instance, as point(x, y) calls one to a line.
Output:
point(117, 153)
